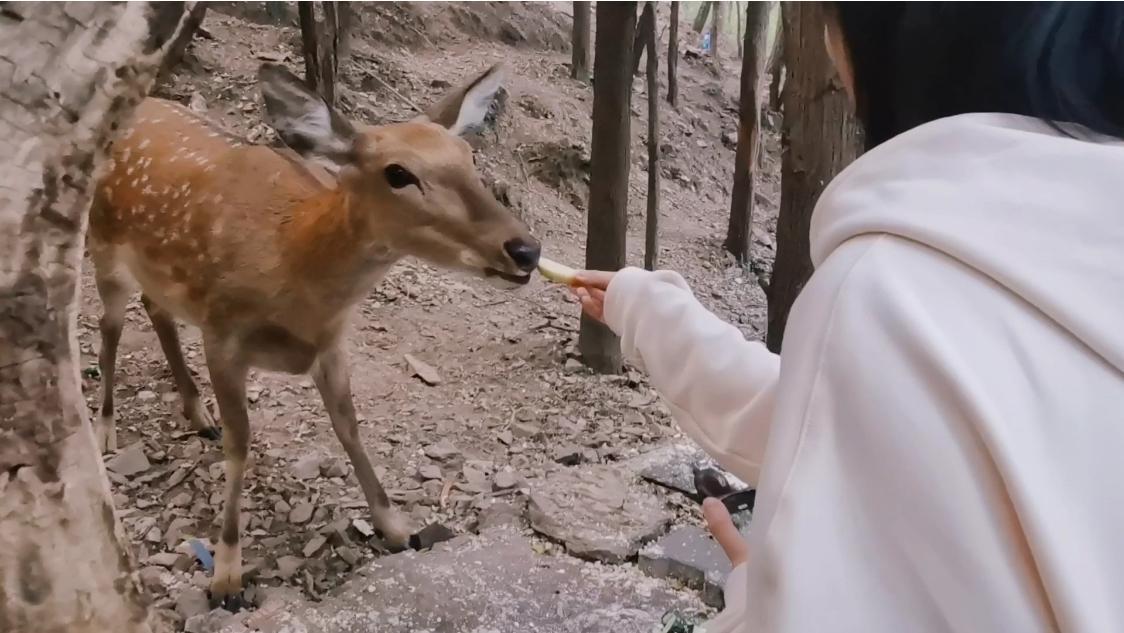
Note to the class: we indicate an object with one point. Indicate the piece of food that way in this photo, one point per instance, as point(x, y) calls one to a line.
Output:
point(558, 273)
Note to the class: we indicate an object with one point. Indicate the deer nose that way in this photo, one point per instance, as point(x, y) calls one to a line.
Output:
point(524, 253)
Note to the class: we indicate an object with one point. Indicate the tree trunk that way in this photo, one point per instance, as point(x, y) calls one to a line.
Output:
point(740, 32)
point(329, 51)
point(776, 69)
point(745, 158)
point(821, 137)
point(178, 47)
point(673, 57)
point(701, 17)
point(83, 67)
point(608, 187)
point(716, 30)
point(320, 44)
point(310, 42)
point(346, 19)
point(277, 11)
point(640, 39)
point(579, 63)
point(651, 228)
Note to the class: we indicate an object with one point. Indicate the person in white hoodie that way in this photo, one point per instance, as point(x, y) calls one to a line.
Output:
point(939, 445)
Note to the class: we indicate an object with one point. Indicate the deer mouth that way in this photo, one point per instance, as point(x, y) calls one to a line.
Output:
point(519, 280)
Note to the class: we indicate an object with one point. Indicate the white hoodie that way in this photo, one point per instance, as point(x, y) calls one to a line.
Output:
point(940, 446)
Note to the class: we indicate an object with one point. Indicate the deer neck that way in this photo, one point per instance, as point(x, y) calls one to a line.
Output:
point(331, 249)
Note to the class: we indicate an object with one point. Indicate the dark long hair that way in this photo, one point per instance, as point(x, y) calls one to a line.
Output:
point(915, 62)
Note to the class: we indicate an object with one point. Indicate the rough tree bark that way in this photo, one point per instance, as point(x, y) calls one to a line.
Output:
point(320, 44)
point(701, 17)
point(821, 136)
point(651, 228)
point(745, 157)
point(579, 61)
point(739, 33)
point(69, 74)
point(178, 47)
point(609, 154)
point(716, 30)
point(673, 58)
point(776, 69)
point(640, 38)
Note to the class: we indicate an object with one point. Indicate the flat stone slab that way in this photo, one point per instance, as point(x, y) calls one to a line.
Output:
point(492, 583)
point(671, 467)
point(599, 512)
point(688, 553)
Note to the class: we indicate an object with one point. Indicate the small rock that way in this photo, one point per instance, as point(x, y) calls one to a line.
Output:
point(499, 514)
point(307, 467)
point(430, 535)
point(197, 103)
point(688, 553)
point(152, 577)
point(147, 395)
point(430, 471)
point(177, 477)
point(336, 467)
point(505, 437)
point(505, 480)
point(211, 622)
point(442, 450)
point(573, 366)
point(182, 500)
point(301, 513)
point(348, 554)
point(363, 527)
point(163, 559)
point(287, 566)
point(190, 602)
point(423, 370)
point(526, 430)
point(173, 535)
point(314, 544)
point(730, 139)
point(129, 461)
point(568, 455)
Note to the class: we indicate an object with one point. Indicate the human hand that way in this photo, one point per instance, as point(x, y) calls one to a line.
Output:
point(722, 527)
point(589, 287)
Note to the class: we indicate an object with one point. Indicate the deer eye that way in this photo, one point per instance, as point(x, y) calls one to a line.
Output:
point(398, 177)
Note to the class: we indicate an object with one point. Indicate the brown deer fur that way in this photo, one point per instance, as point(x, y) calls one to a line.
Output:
point(267, 250)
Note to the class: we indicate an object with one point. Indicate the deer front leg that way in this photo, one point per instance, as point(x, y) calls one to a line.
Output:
point(332, 378)
point(228, 377)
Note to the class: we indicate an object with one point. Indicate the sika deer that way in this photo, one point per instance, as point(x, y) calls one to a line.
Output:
point(267, 251)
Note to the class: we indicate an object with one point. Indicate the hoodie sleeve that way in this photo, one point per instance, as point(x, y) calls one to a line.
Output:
point(719, 386)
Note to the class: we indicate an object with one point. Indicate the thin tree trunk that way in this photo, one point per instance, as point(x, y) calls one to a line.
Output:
point(277, 11)
point(310, 42)
point(673, 58)
point(701, 17)
point(329, 51)
point(821, 137)
point(640, 39)
point(64, 563)
point(178, 47)
point(579, 61)
point(740, 32)
point(651, 228)
point(346, 17)
point(609, 157)
point(716, 30)
point(745, 158)
point(776, 67)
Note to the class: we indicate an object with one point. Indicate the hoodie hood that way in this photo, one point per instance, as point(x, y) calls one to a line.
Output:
point(1039, 212)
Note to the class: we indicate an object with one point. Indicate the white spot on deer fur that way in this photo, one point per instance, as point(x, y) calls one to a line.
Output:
point(129, 171)
point(136, 182)
point(145, 143)
point(126, 152)
point(217, 199)
point(148, 191)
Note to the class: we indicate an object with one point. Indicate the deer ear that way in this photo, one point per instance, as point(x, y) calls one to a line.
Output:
point(465, 107)
point(302, 119)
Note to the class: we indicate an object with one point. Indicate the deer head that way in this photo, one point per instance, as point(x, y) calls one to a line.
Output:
point(414, 184)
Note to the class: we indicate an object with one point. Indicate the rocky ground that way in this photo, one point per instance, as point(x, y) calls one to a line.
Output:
point(473, 405)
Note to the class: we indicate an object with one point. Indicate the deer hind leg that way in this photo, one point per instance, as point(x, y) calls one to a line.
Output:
point(114, 293)
point(193, 410)
point(228, 377)
point(332, 379)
